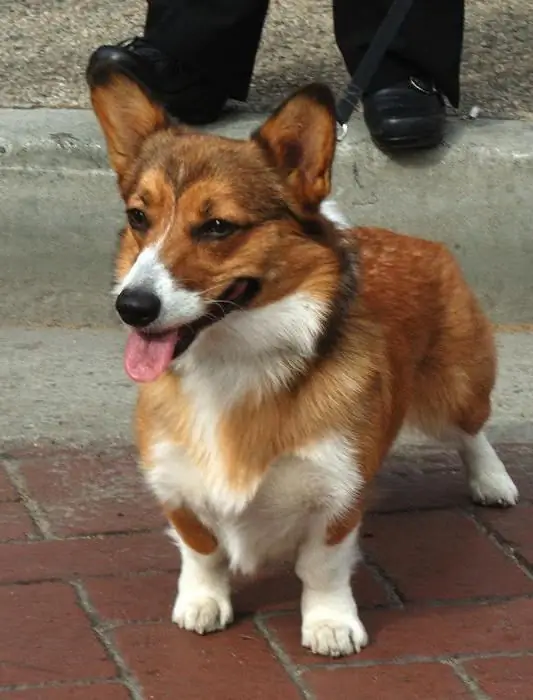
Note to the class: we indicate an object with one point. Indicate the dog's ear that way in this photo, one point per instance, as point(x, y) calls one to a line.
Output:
point(299, 139)
point(127, 116)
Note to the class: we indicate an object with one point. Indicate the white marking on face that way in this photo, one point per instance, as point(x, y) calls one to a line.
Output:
point(257, 349)
point(178, 304)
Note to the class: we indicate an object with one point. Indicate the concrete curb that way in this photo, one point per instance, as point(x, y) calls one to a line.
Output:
point(69, 386)
point(60, 208)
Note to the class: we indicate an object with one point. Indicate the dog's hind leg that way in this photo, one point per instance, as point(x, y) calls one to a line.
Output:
point(489, 481)
point(453, 397)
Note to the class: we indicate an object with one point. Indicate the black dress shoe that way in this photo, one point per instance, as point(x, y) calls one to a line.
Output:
point(408, 115)
point(186, 94)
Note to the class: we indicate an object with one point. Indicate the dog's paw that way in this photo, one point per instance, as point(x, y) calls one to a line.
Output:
point(494, 490)
point(202, 614)
point(334, 637)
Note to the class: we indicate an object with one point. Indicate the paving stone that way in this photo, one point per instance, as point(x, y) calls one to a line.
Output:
point(15, 522)
point(97, 556)
point(426, 479)
point(408, 682)
point(46, 637)
point(515, 527)
point(442, 555)
point(96, 691)
point(85, 493)
point(150, 597)
point(7, 490)
point(236, 664)
point(433, 553)
point(428, 632)
point(503, 678)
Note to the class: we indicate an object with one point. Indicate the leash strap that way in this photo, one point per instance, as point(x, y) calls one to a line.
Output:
point(381, 41)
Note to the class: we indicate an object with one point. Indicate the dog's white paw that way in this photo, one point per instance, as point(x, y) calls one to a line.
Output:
point(334, 637)
point(494, 489)
point(490, 484)
point(203, 614)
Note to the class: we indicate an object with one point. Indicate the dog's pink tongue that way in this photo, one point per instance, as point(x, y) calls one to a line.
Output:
point(147, 356)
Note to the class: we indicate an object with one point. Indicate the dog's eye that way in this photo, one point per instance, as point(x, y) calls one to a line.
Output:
point(215, 229)
point(138, 220)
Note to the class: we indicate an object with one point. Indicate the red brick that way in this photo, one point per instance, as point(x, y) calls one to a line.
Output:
point(369, 592)
point(46, 637)
point(441, 555)
point(133, 598)
point(424, 478)
point(409, 682)
point(86, 493)
point(151, 596)
point(428, 632)
point(515, 526)
point(7, 490)
point(281, 591)
point(504, 679)
point(15, 523)
point(98, 691)
point(519, 461)
point(231, 665)
point(97, 556)
point(419, 480)
point(277, 589)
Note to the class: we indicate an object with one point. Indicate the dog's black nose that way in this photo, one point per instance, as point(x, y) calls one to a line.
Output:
point(138, 307)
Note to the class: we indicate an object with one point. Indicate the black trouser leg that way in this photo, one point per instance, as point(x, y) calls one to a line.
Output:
point(430, 41)
point(218, 37)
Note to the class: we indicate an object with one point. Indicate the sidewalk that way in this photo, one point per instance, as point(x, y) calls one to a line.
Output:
point(88, 579)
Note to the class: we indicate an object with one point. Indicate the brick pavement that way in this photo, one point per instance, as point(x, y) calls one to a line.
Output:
point(87, 581)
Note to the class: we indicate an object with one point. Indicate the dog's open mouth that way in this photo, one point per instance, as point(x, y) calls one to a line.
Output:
point(148, 355)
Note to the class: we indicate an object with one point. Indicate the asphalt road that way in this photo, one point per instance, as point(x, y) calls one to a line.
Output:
point(44, 45)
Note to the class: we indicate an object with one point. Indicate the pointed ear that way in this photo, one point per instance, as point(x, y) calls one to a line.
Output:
point(127, 116)
point(300, 141)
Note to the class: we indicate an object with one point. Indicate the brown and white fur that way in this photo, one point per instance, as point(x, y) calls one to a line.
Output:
point(259, 440)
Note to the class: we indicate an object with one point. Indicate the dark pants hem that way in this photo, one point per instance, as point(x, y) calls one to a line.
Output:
point(221, 37)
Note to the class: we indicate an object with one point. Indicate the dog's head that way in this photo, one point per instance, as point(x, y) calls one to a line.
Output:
point(216, 225)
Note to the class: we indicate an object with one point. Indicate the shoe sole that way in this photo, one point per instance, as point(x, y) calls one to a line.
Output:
point(419, 143)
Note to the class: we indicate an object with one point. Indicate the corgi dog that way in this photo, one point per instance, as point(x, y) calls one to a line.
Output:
point(278, 352)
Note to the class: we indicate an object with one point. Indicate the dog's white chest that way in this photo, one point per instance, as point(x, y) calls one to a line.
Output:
point(269, 521)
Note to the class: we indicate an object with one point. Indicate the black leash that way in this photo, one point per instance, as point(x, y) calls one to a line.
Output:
point(381, 41)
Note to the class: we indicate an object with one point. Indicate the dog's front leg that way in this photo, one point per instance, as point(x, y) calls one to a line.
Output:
point(203, 602)
point(330, 620)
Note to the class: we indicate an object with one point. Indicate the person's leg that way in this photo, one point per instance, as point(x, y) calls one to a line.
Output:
point(427, 48)
point(194, 54)
point(219, 37)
